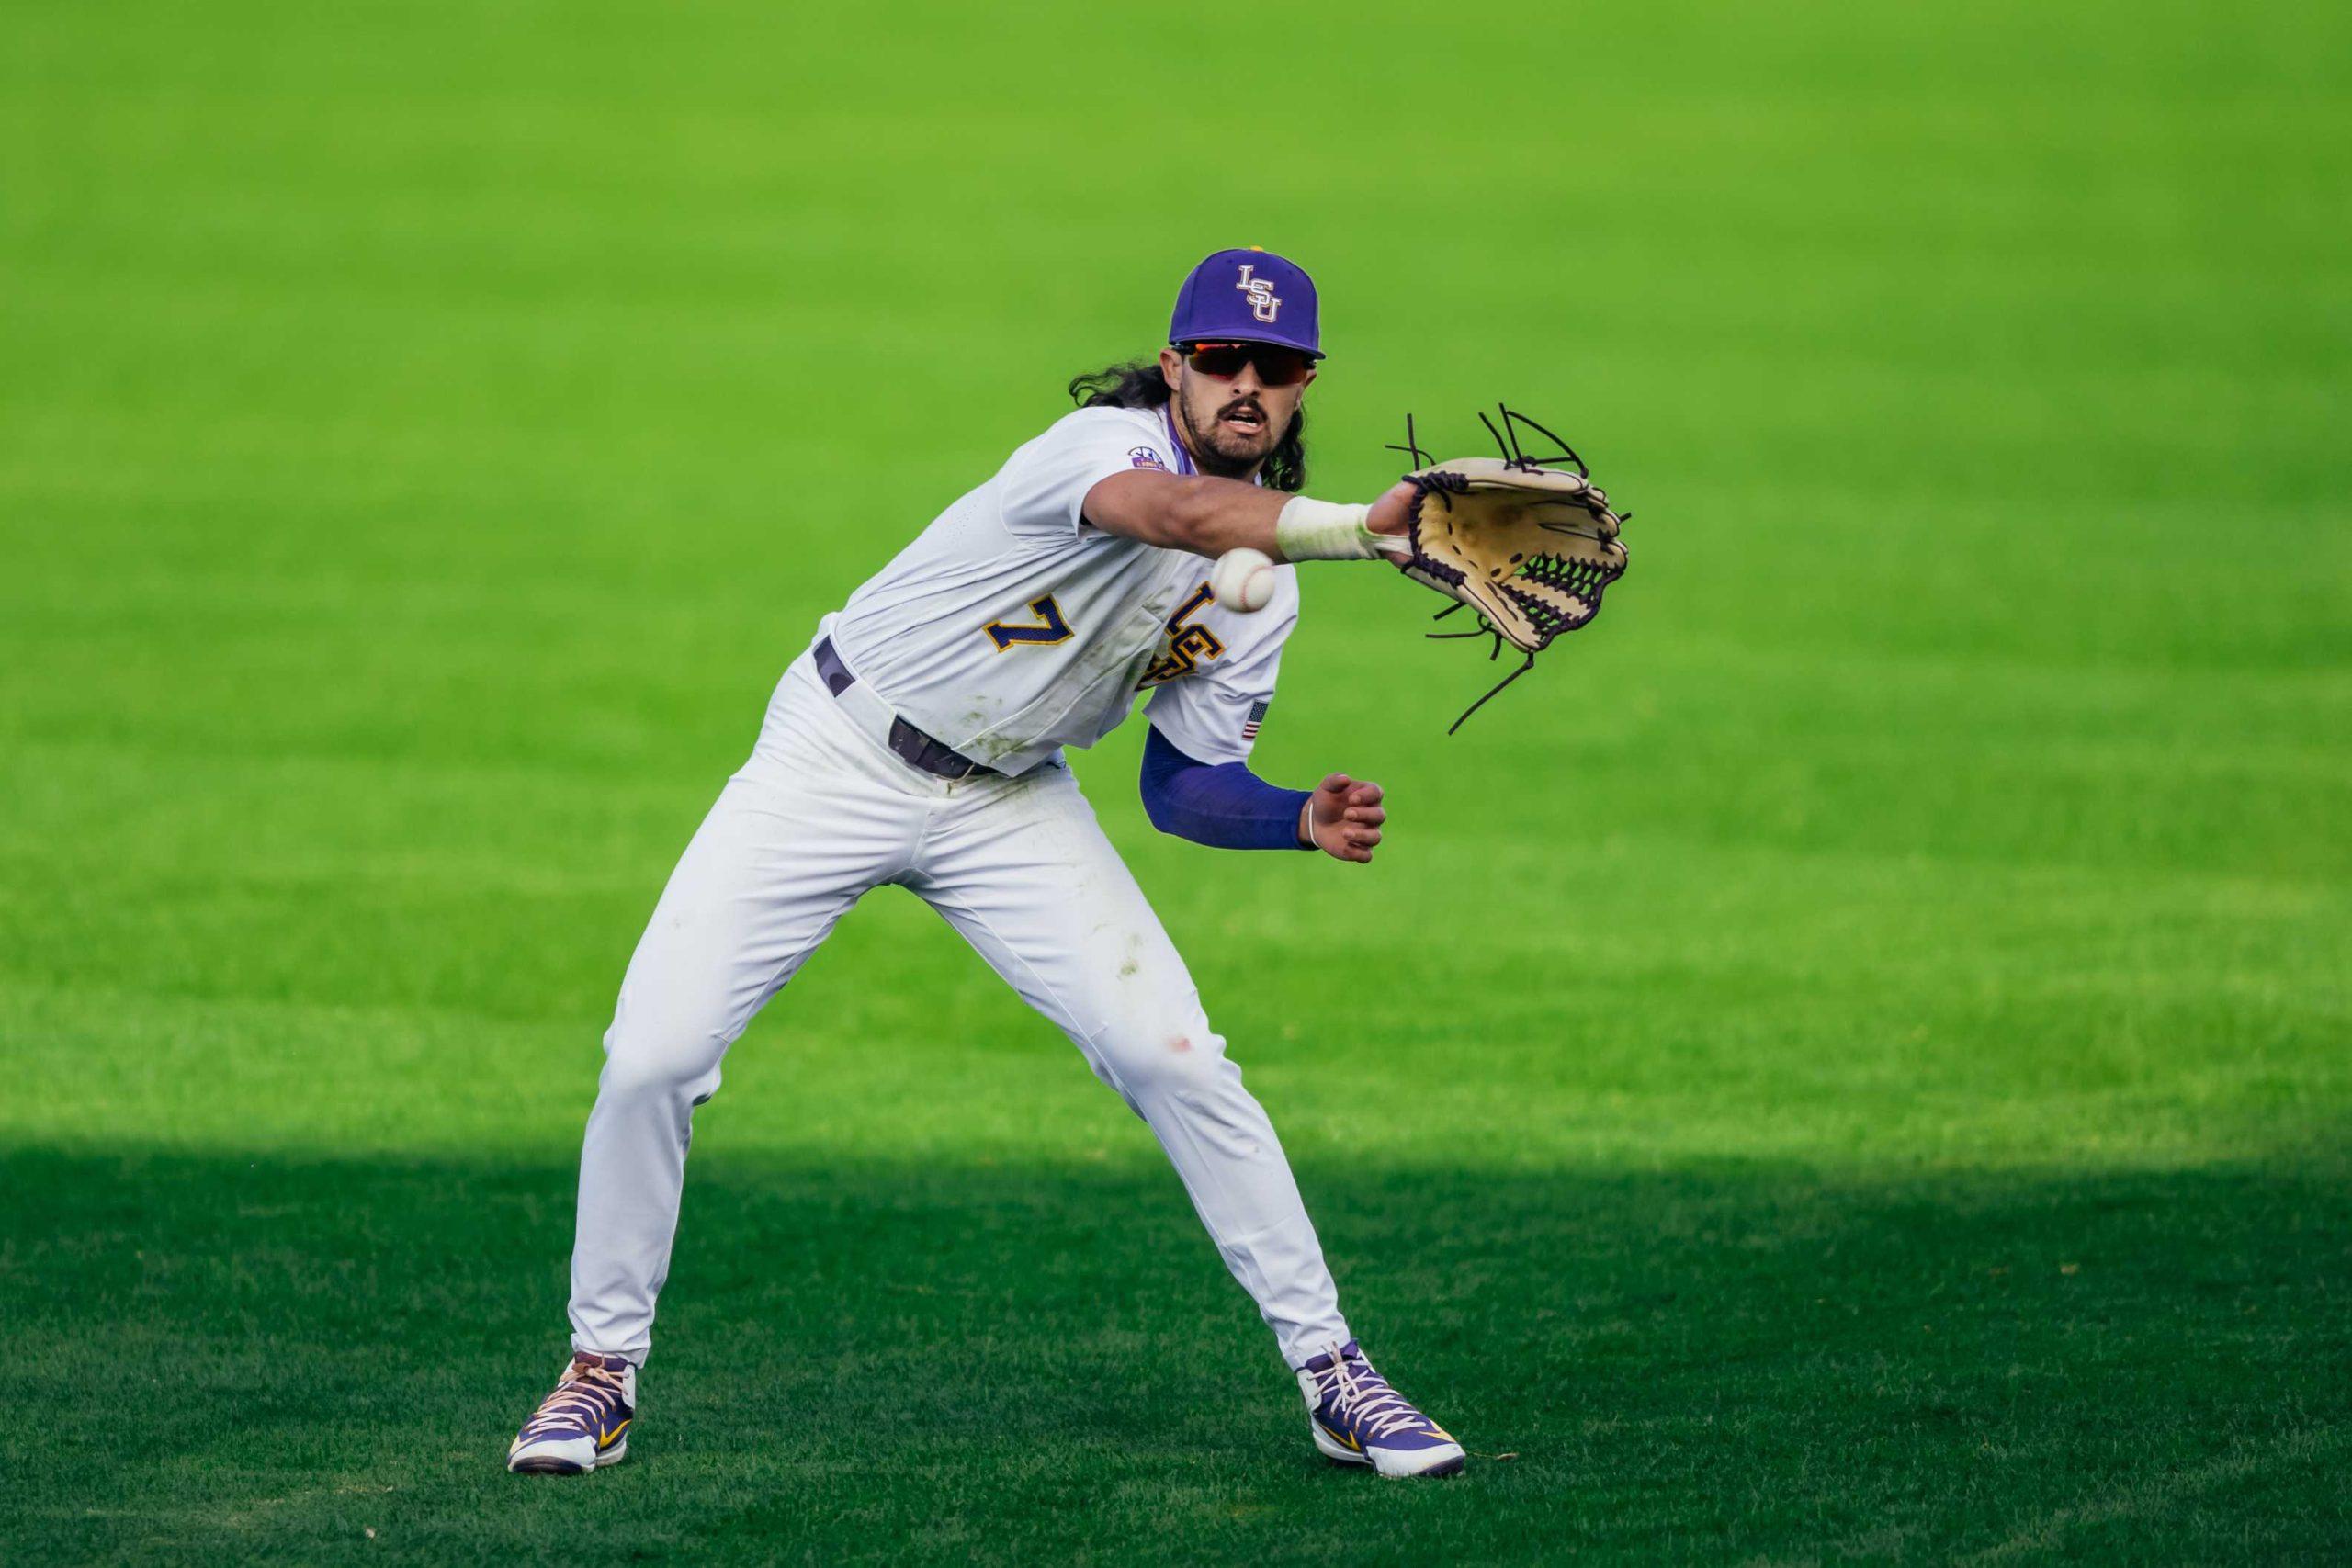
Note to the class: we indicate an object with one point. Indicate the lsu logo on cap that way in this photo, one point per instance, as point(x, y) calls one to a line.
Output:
point(1145, 457)
point(1262, 303)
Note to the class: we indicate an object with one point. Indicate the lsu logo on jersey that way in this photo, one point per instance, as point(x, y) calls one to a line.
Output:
point(1145, 457)
point(1186, 647)
point(1262, 303)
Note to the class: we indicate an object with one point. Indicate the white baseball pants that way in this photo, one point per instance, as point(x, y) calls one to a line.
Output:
point(821, 812)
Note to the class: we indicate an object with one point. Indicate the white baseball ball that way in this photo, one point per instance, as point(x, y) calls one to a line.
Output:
point(1242, 580)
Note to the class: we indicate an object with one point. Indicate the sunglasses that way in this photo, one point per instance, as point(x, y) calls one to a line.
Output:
point(1223, 361)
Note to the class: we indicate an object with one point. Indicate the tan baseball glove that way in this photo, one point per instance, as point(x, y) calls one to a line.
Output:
point(1530, 546)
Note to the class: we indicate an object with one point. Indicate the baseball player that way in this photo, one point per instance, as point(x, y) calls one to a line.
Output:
point(920, 742)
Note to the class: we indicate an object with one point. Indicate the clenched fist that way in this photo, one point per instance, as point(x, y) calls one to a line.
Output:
point(1342, 818)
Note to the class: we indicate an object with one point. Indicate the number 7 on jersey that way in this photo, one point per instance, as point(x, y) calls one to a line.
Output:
point(1050, 627)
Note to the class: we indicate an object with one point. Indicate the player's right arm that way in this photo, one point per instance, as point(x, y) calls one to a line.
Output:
point(1208, 515)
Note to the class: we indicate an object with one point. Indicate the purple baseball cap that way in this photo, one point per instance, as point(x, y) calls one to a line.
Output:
point(1248, 296)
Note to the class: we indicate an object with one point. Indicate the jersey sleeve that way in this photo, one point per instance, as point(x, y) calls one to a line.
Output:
point(1213, 715)
point(1043, 488)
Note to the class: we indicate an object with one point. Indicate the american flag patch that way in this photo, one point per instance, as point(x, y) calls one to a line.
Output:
point(1257, 716)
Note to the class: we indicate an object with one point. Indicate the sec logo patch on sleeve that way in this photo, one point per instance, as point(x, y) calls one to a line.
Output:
point(1145, 457)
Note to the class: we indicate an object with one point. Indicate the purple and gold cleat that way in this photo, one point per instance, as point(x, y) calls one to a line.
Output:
point(584, 1424)
point(1358, 1419)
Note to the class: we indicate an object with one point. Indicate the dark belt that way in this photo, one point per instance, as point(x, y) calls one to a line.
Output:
point(912, 745)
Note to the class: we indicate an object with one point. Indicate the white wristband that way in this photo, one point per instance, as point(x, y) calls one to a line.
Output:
point(1323, 530)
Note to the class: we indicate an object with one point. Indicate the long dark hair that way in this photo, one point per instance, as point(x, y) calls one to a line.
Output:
point(1138, 384)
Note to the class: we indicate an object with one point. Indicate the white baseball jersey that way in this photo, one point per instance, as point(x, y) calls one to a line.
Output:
point(1012, 627)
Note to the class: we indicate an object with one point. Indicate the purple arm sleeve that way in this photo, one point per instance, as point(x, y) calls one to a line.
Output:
point(1223, 806)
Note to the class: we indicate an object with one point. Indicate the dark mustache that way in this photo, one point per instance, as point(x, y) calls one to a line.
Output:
point(1253, 404)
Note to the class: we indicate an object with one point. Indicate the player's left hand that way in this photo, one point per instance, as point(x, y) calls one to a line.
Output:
point(1342, 818)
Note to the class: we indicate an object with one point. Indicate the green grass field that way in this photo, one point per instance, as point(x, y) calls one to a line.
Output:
point(1851, 1059)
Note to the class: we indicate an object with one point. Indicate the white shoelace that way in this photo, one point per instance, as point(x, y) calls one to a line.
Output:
point(575, 1402)
point(1380, 1410)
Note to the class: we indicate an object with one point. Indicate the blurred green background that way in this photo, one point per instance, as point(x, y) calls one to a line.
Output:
point(1849, 1059)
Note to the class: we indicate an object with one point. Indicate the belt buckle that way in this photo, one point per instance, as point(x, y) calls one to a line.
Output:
point(939, 751)
point(926, 753)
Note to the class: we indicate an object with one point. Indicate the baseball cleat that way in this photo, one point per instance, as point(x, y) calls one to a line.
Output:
point(1358, 1419)
point(584, 1424)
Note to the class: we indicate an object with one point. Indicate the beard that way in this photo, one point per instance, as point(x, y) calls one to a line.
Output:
point(1218, 448)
